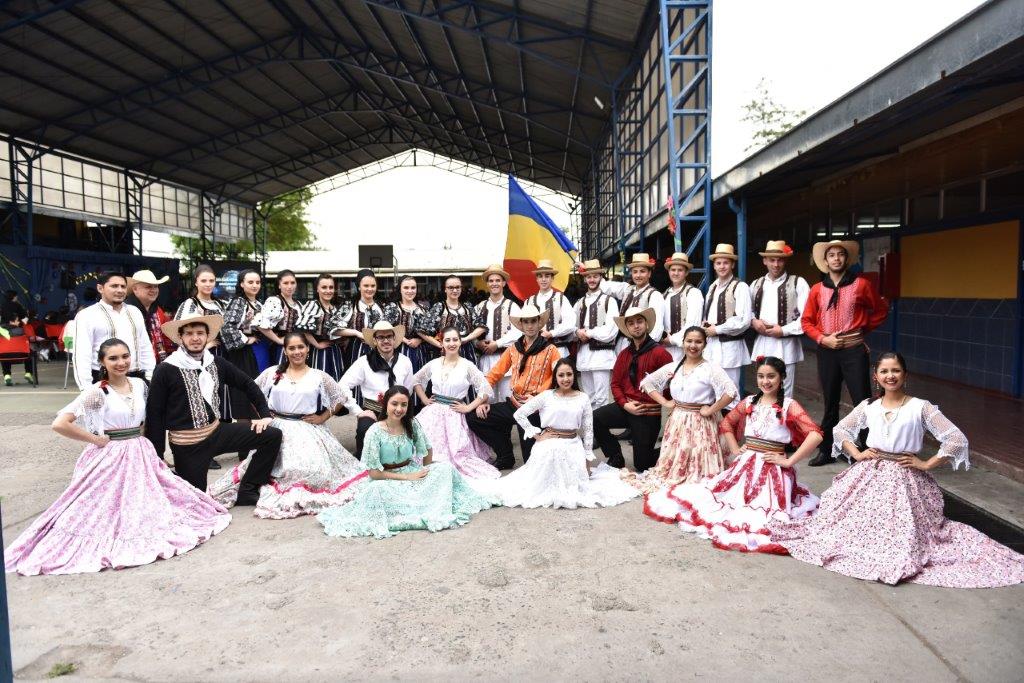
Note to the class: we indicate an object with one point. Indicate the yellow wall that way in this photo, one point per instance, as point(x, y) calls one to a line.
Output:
point(969, 263)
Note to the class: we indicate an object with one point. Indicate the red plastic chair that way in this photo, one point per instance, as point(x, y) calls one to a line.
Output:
point(54, 332)
point(18, 350)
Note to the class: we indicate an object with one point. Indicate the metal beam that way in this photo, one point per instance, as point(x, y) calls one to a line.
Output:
point(32, 17)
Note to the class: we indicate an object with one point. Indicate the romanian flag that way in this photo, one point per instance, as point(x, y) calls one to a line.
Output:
point(533, 236)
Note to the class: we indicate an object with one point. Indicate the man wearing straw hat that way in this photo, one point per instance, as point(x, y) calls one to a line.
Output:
point(531, 358)
point(778, 301)
point(144, 290)
point(639, 294)
point(596, 331)
point(184, 406)
point(373, 373)
point(841, 310)
point(684, 304)
point(727, 316)
point(561, 324)
point(496, 311)
point(632, 408)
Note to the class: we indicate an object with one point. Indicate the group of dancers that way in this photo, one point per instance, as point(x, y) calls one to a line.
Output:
point(437, 393)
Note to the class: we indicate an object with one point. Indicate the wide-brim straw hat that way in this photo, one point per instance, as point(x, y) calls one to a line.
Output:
point(172, 328)
point(383, 326)
point(592, 267)
point(495, 269)
point(641, 260)
point(679, 258)
point(545, 266)
point(777, 248)
point(647, 313)
point(725, 251)
point(527, 312)
point(146, 277)
point(818, 252)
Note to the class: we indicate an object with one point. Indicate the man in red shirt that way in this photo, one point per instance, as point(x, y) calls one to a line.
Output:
point(632, 408)
point(841, 310)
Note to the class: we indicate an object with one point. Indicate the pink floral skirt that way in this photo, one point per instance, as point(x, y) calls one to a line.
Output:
point(123, 508)
point(690, 451)
point(452, 441)
point(881, 522)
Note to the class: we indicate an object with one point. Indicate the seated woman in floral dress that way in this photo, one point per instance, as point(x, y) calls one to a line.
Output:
point(404, 491)
point(881, 520)
point(733, 508)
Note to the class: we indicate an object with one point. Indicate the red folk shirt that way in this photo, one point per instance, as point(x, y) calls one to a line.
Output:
point(535, 377)
point(623, 390)
point(859, 308)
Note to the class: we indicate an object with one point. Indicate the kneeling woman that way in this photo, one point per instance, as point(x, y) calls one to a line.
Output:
point(312, 471)
point(733, 509)
point(405, 491)
point(690, 448)
point(557, 474)
point(881, 519)
point(124, 506)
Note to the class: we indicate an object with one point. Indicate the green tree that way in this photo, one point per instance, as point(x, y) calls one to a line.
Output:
point(769, 119)
point(287, 230)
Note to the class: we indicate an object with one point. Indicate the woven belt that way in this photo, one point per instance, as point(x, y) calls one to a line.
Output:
point(886, 455)
point(764, 445)
point(396, 465)
point(561, 433)
point(123, 434)
point(374, 406)
point(289, 416)
point(692, 407)
point(190, 437)
point(445, 400)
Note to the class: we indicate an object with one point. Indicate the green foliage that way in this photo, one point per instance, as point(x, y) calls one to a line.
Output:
point(287, 230)
point(62, 669)
point(770, 119)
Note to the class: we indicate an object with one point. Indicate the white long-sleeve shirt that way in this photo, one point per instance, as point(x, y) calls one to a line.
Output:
point(694, 313)
point(98, 323)
point(730, 354)
point(566, 323)
point(372, 384)
point(787, 347)
point(656, 301)
point(588, 359)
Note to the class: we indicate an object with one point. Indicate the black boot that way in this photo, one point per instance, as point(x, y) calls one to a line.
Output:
point(247, 495)
point(822, 458)
point(214, 465)
point(625, 436)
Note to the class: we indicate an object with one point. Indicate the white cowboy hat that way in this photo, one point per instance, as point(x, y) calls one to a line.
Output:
point(641, 260)
point(634, 311)
point(591, 267)
point(172, 328)
point(146, 277)
point(725, 251)
point(545, 266)
point(820, 248)
point(495, 269)
point(527, 312)
point(383, 326)
point(777, 248)
point(679, 258)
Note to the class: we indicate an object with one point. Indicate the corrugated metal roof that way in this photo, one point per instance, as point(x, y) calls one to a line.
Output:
point(251, 99)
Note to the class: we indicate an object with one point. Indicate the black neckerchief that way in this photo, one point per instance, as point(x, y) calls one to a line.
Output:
point(826, 280)
point(635, 354)
point(538, 345)
point(378, 364)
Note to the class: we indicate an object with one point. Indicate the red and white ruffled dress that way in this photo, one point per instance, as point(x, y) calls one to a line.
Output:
point(733, 508)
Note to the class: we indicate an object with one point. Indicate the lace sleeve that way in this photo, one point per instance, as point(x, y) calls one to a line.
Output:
point(332, 394)
point(848, 429)
point(657, 380)
point(478, 381)
point(88, 409)
point(371, 448)
point(230, 333)
point(420, 445)
point(721, 384)
point(522, 416)
point(309, 317)
point(587, 429)
point(266, 379)
point(735, 422)
point(339, 319)
point(423, 375)
point(270, 315)
point(952, 442)
point(800, 423)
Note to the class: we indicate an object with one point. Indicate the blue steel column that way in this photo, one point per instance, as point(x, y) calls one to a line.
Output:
point(694, 20)
point(618, 207)
point(22, 191)
point(740, 209)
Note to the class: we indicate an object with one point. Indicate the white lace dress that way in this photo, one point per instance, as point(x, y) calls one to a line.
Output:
point(556, 473)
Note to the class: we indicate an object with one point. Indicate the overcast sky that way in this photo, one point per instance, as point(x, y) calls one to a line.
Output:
point(810, 52)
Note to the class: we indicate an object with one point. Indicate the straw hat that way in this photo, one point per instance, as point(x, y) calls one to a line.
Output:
point(725, 251)
point(527, 312)
point(545, 266)
point(852, 252)
point(777, 248)
point(680, 258)
point(172, 328)
point(641, 260)
point(592, 267)
point(632, 312)
point(495, 269)
point(383, 326)
point(146, 277)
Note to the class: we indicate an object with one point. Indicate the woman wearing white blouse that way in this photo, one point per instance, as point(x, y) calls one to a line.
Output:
point(557, 474)
point(881, 519)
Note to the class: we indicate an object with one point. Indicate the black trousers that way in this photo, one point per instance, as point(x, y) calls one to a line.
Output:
point(495, 430)
point(644, 430)
point(192, 462)
point(29, 363)
point(836, 366)
point(362, 424)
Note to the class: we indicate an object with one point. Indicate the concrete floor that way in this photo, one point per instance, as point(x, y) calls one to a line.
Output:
point(516, 594)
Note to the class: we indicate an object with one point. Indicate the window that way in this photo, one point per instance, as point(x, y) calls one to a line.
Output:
point(890, 215)
point(1004, 192)
point(962, 200)
point(924, 209)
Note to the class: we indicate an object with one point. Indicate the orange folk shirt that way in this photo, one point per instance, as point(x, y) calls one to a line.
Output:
point(535, 377)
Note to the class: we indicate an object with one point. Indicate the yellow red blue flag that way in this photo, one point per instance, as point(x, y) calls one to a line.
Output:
point(533, 236)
